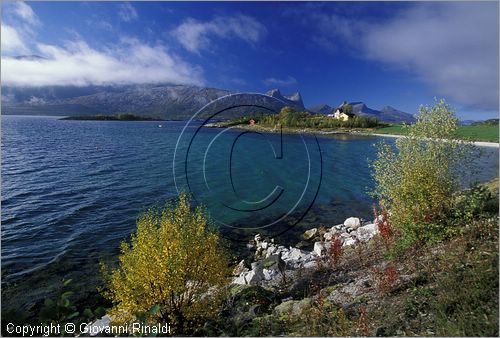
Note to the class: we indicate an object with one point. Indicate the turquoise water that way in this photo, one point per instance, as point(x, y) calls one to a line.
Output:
point(72, 190)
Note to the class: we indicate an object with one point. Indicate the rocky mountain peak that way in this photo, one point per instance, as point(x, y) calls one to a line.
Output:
point(294, 100)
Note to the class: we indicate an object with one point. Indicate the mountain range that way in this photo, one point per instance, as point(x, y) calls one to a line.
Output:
point(165, 101)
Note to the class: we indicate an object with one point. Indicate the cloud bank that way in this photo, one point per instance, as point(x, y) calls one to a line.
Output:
point(452, 47)
point(12, 41)
point(196, 35)
point(77, 64)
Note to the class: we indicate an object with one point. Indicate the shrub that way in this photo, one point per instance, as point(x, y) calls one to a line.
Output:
point(476, 202)
point(384, 226)
point(174, 264)
point(385, 279)
point(416, 181)
point(336, 249)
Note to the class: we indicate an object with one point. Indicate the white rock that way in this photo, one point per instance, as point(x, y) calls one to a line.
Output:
point(250, 277)
point(99, 325)
point(270, 273)
point(253, 277)
point(297, 254)
point(310, 264)
point(328, 236)
point(352, 222)
point(271, 250)
point(310, 233)
point(264, 245)
point(240, 268)
point(320, 248)
point(366, 232)
point(349, 241)
point(240, 279)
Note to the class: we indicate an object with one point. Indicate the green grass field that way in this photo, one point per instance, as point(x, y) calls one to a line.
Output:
point(487, 133)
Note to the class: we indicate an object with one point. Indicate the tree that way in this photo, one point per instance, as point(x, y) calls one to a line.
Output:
point(417, 180)
point(172, 270)
point(347, 108)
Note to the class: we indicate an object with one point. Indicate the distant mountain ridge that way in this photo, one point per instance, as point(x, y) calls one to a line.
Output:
point(294, 100)
point(165, 101)
point(386, 114)
point(321, 109)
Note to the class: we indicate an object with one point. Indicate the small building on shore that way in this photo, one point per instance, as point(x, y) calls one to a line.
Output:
point(343, 112)
point(340, 115)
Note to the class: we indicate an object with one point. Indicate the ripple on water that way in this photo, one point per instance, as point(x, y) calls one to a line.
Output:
point(72, 190)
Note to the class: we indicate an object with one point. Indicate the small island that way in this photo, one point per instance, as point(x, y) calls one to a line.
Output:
point(116, 117)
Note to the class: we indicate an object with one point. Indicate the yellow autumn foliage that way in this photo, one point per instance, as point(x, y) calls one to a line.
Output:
point(174, 264)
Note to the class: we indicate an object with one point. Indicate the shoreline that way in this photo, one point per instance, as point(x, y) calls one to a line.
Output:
point(476, 143)
point(336, 132)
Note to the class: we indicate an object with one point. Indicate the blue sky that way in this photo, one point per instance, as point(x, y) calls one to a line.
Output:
point(399, 54)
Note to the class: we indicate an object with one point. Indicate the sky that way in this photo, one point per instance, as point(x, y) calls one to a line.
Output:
point(402, 54)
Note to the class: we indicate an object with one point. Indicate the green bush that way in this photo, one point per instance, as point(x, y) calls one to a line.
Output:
point(416, 181)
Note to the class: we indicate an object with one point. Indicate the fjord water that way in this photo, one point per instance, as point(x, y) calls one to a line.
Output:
point(72, 190)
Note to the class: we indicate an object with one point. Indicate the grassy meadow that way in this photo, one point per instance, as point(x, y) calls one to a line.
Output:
point(480, 132)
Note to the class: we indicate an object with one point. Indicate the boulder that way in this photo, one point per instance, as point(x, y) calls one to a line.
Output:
point(99, 325)
point(269, 273)
point(311, 233)
point(272, 249)
point(338, 227)
point(328, 235)
point(254, 276)
point(366, 232)
point(297, 254)
point(310, 264)
point(321, 248)
point(240, 268)
point(352, 222)
point(251, 277)
point(349, 241)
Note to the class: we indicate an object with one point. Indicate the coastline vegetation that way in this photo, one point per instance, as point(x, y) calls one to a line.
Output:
point(294, 121)
point(417, 180)
point(290, 119)
point(115, 117)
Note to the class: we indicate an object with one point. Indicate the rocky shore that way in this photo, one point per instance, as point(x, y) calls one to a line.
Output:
point(274, 263)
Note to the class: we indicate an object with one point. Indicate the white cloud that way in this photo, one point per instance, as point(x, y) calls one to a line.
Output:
point(24, 12)
point(289, 81)
point(127, 12)
point(453, 47)
point(129, 62)
point(196, 35)
point(12, 41)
